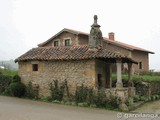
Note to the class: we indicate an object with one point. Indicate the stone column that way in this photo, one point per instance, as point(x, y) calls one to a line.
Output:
point(131, 89)
point(119, 83)
point(130, 81)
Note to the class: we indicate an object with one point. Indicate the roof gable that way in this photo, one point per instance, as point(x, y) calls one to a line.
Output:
point(63, 30)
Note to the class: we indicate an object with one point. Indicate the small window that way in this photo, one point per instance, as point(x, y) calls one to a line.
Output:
point(55, 43)
point(67, 42)
point(140, 65)
point(35, 67)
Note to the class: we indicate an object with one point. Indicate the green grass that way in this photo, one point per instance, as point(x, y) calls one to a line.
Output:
point(147, 78)
point(9, 72)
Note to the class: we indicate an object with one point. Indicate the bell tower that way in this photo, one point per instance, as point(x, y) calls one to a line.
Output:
point(95, 37)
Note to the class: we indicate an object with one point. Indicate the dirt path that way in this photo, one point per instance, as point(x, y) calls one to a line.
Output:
point(20, 109)
point(151, 107)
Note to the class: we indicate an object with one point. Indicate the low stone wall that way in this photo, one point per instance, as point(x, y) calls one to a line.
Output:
point(155, 87)
point(120, 92)
point(146, 88)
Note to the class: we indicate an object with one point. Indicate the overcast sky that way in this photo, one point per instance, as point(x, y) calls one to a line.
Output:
point(26, 23)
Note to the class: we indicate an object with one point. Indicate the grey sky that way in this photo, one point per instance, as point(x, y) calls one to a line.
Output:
point(26, 23)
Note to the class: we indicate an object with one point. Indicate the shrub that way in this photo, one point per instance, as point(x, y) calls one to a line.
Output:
point(136, 98)
point(57, 91)
point(83, 104)
point(17, 89)
point(100, 99)
point(129, 101)
point(4, 84)
point(31, 92)
point(113, 102)
point(45, 99)
point(157, 97)
point(144, 98)
point(90, 96)
point(81, 94)
point(16, 78)
point(153, 97)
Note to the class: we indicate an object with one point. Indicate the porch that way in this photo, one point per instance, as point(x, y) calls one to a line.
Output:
point(104, 78)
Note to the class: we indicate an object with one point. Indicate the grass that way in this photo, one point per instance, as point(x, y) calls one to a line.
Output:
point(146, 78)
point(9, 72)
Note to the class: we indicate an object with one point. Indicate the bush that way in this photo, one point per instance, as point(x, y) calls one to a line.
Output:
point(16, 78)
point(153, 97)
point(144, 98)
point(100, 98)
point(136, 98)
point(17, 89)
point(4, 83)
point(81, 94)
point(57, 91)
point(31, 92)
point(129, 101)
point(113, 102)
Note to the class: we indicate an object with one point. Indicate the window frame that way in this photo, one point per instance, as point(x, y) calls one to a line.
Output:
point(67, 43)
point(55, 45)
point(35, 67)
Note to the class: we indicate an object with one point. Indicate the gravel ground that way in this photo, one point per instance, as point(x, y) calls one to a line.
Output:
point(21, 109)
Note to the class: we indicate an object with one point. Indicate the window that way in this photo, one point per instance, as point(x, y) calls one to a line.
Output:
point(67, 42)
point(55, 43)
point(35, 67)
point(140, 65)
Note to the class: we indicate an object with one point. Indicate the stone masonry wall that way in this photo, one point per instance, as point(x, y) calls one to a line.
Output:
point(136, 55)
point(75, 72)
point(141, 57)
point(83, 40)
point(61, 37)
point(116, 48)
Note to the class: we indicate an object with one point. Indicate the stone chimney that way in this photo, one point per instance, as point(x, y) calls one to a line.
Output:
point(111, 35)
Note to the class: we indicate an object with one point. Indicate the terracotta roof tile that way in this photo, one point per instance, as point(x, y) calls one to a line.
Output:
point(69, 53)
point(118, 43)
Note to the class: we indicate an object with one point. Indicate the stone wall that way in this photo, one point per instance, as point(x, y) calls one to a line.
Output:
point(116, 48)
point(141, 57)
point(146, 88)
point(136, 55)
point(62, 37)
point(75, 72)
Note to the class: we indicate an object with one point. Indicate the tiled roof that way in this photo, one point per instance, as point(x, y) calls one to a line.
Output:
point(114, 42)
point(124, 45)
point(70, 53)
